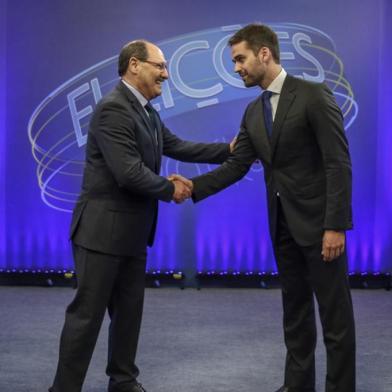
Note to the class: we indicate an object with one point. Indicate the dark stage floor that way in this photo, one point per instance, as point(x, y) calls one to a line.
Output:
point(213, 340)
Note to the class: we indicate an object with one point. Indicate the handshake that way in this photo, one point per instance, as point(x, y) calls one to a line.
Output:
point(182, 188)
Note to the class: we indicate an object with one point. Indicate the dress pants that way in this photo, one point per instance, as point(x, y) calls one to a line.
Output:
point(304, 274)
point(104, 282)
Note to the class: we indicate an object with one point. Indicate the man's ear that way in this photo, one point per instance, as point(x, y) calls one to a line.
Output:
point(264, 54)
point(133, 65)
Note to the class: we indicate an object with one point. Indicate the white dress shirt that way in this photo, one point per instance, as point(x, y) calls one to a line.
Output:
point(276, 87)
point(139, 96)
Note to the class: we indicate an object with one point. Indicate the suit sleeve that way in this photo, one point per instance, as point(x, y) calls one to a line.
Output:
point(115, 135)
point(327, 122)
point(231, 171)
point(187, 151)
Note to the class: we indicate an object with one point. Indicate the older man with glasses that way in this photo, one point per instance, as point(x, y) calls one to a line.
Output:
point(115, 217)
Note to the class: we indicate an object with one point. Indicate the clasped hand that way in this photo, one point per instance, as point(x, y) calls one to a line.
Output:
point(182, 187)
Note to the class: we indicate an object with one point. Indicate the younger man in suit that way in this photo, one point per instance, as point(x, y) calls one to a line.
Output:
point(295, 129)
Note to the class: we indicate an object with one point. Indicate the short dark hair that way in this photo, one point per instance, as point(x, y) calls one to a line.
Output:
point(136, 49)
point(256, 36)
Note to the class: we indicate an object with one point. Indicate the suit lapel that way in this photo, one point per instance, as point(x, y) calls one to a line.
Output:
point(137, 107)
point(151, 132)
point(157, 138)
point(287, 96)
point(160, 142)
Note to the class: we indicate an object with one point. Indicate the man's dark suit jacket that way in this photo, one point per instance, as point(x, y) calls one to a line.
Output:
point(306, 161)
point(117, 209)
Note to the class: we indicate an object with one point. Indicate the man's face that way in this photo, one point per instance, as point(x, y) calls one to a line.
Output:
point(152, 73)
point(247, 65)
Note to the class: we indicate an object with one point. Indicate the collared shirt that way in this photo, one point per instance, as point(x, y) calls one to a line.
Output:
point(143, 101)
point(276, 87)
point(139, 96)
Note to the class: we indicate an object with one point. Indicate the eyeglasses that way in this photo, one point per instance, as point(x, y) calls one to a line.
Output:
point(160, 66)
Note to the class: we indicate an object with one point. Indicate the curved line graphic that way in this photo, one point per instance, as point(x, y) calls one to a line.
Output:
point(55, 151)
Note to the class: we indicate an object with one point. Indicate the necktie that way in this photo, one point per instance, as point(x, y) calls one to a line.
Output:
point(267, 109)
point(152, 118)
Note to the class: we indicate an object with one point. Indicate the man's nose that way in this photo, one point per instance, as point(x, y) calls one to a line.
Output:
point(165, 73)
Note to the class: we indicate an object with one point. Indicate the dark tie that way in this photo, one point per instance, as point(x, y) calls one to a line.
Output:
point(267, 109)
point(153, 119)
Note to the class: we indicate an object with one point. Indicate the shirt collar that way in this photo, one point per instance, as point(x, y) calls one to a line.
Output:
point(277, 84)
point(139, 96)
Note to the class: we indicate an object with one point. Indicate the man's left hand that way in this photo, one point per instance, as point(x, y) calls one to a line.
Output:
point(232, 144)
point(333, 244)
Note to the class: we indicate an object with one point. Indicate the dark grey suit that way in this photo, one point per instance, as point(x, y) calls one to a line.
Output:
point(307, 172)
point(112, 224)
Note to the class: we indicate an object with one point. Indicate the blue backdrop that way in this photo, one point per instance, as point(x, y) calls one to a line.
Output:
point(58, 58)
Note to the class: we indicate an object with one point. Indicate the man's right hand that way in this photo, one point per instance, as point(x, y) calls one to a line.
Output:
point(182, 187)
